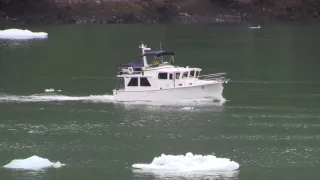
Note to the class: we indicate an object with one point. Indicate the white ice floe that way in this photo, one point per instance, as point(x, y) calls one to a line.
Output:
point(51, 90)
point(32, 163)
point(187, 108)
point(21, 34)
point(255, 27)
point(189, 163)
point(57, 165)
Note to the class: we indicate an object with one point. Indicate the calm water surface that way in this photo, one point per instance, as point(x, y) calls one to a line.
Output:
point(270, 123)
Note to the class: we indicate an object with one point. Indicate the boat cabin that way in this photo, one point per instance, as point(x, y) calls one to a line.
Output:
point(161, 80)
point(160, 74)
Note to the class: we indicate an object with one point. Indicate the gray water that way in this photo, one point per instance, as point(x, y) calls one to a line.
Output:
point(269, 123)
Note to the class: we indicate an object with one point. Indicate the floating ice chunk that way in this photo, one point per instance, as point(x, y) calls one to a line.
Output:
point(187, 108)
point(49, 90)
point(52, 90)
point(21, 34)
point(57, 165)
point(255, 27)
point(32, 163)
point(189, 163)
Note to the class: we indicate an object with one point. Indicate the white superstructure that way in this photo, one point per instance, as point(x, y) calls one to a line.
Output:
point(162, 81)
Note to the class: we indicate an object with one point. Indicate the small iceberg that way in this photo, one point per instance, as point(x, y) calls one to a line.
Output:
point(255, 27)
point(21, 34)
point(32, 163)
point(57, 165)
point(189, 163)
point(51, 90)
point(187, 108)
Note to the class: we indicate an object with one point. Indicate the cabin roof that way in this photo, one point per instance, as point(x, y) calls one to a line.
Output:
point(157, 53)
point(181, 69)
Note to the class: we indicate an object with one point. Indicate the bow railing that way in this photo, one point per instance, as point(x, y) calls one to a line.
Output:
point(220, 77)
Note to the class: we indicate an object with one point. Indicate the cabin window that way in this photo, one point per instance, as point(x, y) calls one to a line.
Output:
point(197, 73)
point(185, 75)
point(177, 75)
point(170, 76)
point(163, 75)
point(144, 82)
point(191, 74)
point(133, 82)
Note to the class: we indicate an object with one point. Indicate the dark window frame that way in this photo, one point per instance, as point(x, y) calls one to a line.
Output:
point(185, 73)
point(170, 76)
point(178, 77)
point(131, 83)
point(144, 82)
point(197, 73)
point(163, 75)
point(192, 74)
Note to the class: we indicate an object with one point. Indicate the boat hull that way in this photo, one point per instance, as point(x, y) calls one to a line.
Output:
point(211, 91)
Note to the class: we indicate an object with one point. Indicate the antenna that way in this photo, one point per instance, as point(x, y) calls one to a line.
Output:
point(160, 46)
point(143, 49)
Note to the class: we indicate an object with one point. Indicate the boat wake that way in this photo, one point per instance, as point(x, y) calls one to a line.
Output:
point(54, 97)
point(107, 98)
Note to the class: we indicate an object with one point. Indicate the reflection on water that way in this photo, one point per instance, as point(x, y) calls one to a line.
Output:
point(140, 174)
point(17, 43)
point(181, 106)
point(26, 174)
point(196, 102)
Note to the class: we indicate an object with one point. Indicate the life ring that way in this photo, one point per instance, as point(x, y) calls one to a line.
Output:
point(130, 70)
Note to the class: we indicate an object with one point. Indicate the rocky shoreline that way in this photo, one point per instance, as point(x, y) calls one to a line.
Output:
point(146, 11)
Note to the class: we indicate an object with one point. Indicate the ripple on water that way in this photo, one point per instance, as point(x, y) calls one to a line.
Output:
point(55, 129)
point(268, 137)
point(139, 174)
point(284, 125)
point(269, 156)
point(276, 116)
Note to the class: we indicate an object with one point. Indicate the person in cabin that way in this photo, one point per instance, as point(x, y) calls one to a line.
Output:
point(156, 62)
